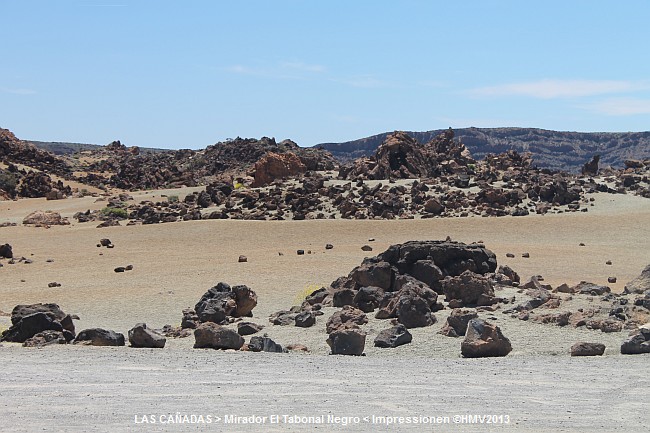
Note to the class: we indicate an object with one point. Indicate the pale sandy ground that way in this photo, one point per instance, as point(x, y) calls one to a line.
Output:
point(538, 384)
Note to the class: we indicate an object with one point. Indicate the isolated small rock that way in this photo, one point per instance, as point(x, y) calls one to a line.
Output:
point(248, 328)
point(366, 248)
point(242, 259)
point(587, 349)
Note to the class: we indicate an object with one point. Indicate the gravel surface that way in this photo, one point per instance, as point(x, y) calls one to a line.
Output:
point(108, 389)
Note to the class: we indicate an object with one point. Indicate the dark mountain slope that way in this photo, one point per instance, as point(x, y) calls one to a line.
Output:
point(550, 149)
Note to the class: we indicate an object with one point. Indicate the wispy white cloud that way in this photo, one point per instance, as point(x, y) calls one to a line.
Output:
point(300, 66)
point(283, 70)
point(15, 91)
point(363, 81)
point(619, 106)
point(555, 89)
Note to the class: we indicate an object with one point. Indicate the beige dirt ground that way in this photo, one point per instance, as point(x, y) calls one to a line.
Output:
point(174, 264)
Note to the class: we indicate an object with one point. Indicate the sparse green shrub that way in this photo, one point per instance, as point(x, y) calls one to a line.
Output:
point(115, 212)
point(8, 182)
point(172, 199)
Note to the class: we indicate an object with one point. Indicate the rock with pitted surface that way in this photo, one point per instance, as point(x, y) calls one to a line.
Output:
point(99, 337)
point(45, 219)
point(213, 336)
point(45, 338)
point(469, 290)
point(484, 339)
point(141, 336)
point(347, 317)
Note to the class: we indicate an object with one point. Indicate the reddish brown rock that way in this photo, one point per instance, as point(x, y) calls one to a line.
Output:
point(277, 166)
point(484, 340)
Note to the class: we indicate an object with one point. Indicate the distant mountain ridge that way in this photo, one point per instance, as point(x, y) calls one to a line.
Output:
point(63, 148)
point(556, 150)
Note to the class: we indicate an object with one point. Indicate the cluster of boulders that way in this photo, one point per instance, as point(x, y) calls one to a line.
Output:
point(128, 168)
point(221, 304)
point(609, 312)
point(39, 325)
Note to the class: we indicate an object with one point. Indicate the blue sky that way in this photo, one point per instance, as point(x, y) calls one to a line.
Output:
point(191, 73)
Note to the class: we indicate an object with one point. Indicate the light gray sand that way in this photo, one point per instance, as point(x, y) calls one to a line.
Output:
point(104, 389)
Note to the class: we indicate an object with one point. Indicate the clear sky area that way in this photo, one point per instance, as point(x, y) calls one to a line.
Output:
point(186, 74)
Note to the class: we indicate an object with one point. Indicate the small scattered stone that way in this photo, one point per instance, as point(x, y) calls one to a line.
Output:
point(525, 255)
point(608, 262)
point(510, 255)
point(300, 252)
point(54, 284)
point(611, 280)
point(248, 328)
point(120, 269)
point(243, 259)
point(366, 248)
point(329, 246)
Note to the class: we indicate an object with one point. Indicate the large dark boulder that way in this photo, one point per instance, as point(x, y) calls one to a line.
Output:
point(483, 339)
point(6, 252)
point(393, 337)
point(213, 336)
point(141, 336)
point(347, 341)
point(305, 319)
point(29, 320)
point(100, 337)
